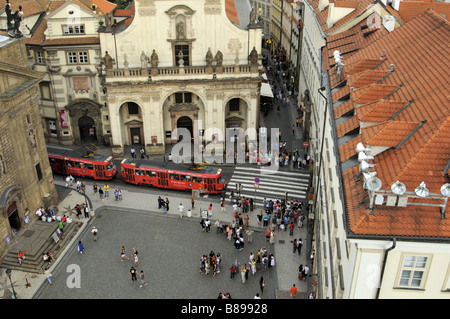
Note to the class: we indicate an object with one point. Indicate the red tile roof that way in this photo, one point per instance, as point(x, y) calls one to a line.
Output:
point(410, 9)
point(416, 134)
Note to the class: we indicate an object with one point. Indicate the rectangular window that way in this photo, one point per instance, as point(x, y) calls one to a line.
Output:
point(413, 272)
point(77, 57)
point(46, 93)
point(40, 57)
point(83, 57)
point(184, 49)
point(72, 58)
point(51, 128)
point(73, 29)
point(38, 171)
point(183, 98)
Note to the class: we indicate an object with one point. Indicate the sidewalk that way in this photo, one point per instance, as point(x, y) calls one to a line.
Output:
point(286, 262)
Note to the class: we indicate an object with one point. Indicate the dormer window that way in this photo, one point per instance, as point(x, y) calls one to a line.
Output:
point(73, 29)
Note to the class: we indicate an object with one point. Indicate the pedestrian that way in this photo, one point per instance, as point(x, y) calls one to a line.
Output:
point(293, 129)
point(207, 225)
point(116, 195)
point(207, 267)
point(305, 271)
point(262, 283)
point(167, 204)
point(94, 232)
point(142, 278)
point(120, 194)
point(249, 233)
point(86, 211)
point(210, 210)
point(164, 207)
point(222, 207)
point(192, 202)
point(232, 271)
point(49, 276)
point(95, 188)
point(133, 274)
point(159, 202)
point(291, 228)
point(253, 265)
point(133, 152)
point(100, 193)
point(142, 151)
point(136, 260)
point(217, 224)
point(106, 188)
point(80, 247)
point(21, 257)
point(181, 210)
point(293, 291)
point(299, 246)
point(123, 254)
point(243, 270)
point(257, 296)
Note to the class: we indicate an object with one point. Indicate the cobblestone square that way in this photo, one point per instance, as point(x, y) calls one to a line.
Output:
point(169, 251)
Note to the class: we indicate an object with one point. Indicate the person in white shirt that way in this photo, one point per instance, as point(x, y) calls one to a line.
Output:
point(181, 210)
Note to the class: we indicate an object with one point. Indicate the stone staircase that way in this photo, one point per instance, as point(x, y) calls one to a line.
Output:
point(36, 240)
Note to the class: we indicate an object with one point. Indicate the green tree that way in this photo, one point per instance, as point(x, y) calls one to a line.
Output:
point(121, 4)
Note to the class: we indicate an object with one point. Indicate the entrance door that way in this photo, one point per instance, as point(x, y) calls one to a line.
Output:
point(88, 133)
point(163, 179)
point(209, 184)
point(185, 122)
point(13, 217)
point(135, 133)
point(99, 171)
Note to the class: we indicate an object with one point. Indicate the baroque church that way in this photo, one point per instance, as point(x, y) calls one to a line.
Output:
point(178, 65)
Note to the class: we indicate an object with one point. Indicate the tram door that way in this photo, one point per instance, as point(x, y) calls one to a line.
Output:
point(100, 171)
point(209, 184)
point(163, 179)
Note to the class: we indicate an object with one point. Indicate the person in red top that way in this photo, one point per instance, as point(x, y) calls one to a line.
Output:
point(293, 291)
point(21, 257)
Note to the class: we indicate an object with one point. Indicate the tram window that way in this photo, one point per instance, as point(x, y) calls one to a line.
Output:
point(175, 177)
point(185, 178)
point(52, 161)
point(110, 166)
point(197, 179)
point(69, 163)
point(88, 166)
point(151, 174)
point(79, 165)
point(139, 172)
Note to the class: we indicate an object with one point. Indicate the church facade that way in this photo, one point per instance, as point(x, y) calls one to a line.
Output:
point(174, 65)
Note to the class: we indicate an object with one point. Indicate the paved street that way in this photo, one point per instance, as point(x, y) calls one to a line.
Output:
point(169, 250)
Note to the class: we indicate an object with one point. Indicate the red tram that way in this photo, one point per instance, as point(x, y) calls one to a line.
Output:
point(172, 175)
point(68, 162)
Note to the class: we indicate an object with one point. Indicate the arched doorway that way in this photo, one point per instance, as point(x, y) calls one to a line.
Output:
point(13, 217)
point(87, 129)
point(185, 122)
point(86, 121)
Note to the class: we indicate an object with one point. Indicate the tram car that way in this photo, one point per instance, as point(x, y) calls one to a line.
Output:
point(69, 162)
point(172, 176)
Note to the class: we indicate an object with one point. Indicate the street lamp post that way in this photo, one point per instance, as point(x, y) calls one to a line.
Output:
point(8, 273)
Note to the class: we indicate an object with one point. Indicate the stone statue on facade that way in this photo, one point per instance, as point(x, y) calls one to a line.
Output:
point(219, 58)
point(252, 17)
point(180, 30)
point(144, 60)
point(154, 60)
point(209, 57)
point(253, 57)
point(13, 21)
point(108, 61)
